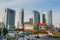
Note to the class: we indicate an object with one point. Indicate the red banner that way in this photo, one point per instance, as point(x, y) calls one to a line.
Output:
point(42, 24)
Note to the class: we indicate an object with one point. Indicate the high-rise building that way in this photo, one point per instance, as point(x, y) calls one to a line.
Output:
point(48, 18)
point(36, 19)
point(44, 22)
point(43, 18)
point(31, 21)
point(9, 18)
point(21, 18)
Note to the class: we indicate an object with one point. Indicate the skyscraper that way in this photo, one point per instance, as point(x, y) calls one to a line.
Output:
point(43, 24)
point(21, 17)
point(36, 19)
point(48, 18)
point(9, 18)
point(43, 18)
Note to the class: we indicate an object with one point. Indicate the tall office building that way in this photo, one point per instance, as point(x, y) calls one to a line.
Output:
point(9, 19)
point(48, 18)
point(43, 18)
point(43, 24)
point(31, 21)
point(36, 19)
point(21, 17)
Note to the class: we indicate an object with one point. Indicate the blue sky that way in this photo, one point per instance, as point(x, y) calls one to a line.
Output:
point(29, 5)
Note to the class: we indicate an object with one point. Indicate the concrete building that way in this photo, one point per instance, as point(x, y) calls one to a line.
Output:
point(36, 19)
point(28, 26)
point(9, 19)
point(1, 25)
point(42, 26)
point(31, 21)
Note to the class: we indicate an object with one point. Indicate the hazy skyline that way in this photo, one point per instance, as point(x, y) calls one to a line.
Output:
point(30, 5)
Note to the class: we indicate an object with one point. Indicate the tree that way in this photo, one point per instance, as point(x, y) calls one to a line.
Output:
point(0, 32)
point(5, 31)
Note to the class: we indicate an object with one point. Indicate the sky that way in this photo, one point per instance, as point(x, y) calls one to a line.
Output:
point(29, 6)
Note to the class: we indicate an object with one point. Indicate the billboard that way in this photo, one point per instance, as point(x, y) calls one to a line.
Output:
point(42, 24)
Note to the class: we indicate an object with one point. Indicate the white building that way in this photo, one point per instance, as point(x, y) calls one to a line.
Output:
point(28, 27)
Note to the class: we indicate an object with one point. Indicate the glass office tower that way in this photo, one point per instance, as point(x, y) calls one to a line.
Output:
point(9, 18)
point(21, 18)
point(48, 18)
point(36, 19)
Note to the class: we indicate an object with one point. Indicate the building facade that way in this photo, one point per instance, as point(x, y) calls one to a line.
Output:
point(28, 26)
point(1, 25)
point(31, 21)
point(43, 18)
point(9, 18)
point(48, 19)
point(21, 18)
point(36, 19)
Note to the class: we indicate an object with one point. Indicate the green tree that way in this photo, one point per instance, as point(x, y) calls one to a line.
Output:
point(5, 31)
point(0, 32)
